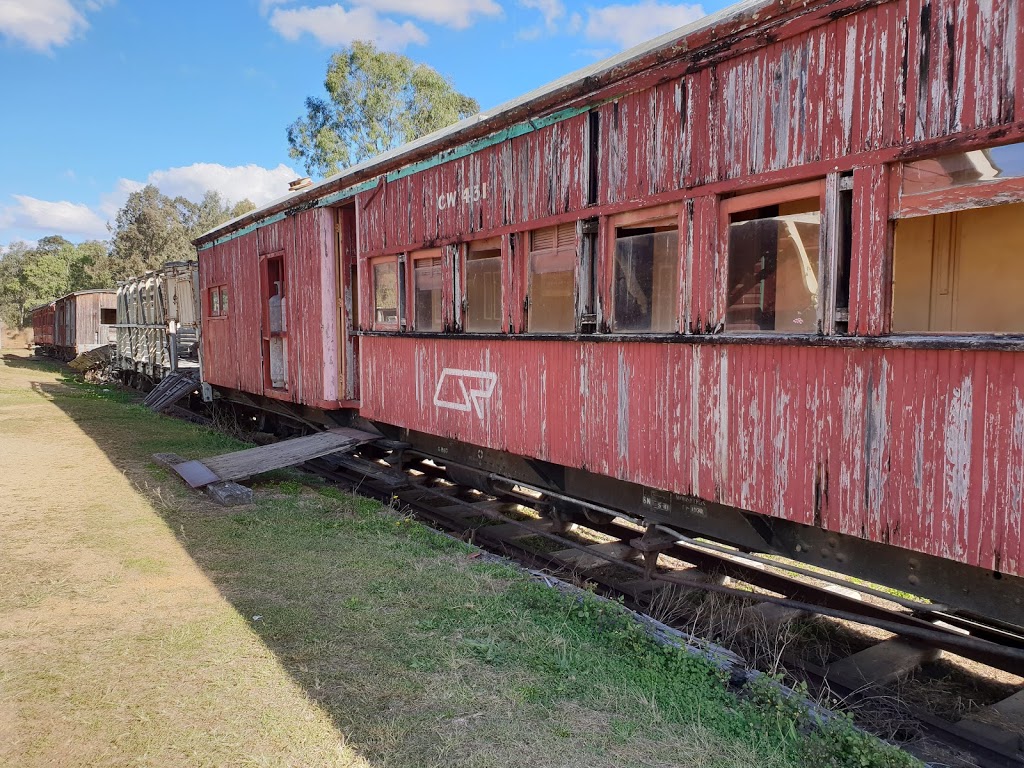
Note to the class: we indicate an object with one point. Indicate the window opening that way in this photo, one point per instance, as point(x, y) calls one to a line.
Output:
point(427, 291)
point(842, 315)
point(594, 155)
point(773, 268)
point(277, 322)
point(223, 299)
point(964, 168)
point(215, 302)
point(646, 277)
point(385, 293)
point(552, 280)
point(108, 316)
point(960, 272)
point(483, 287)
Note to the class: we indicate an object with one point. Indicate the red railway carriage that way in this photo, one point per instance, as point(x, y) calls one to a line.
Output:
point(42, 326)
point(759, 278)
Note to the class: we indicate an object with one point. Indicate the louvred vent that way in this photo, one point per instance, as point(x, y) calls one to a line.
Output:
point(562, 236)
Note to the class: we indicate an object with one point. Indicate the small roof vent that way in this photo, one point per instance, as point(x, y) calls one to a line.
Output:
point(298, 184)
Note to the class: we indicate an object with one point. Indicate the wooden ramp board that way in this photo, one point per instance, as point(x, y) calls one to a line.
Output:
point(171, 389)
point(253, 461)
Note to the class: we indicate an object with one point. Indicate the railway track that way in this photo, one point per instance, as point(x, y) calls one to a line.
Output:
point(618, 556)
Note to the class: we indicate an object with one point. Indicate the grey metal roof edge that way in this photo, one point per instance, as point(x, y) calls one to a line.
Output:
point(595, 70)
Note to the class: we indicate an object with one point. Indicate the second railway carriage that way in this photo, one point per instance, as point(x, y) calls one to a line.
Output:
point(760, 278)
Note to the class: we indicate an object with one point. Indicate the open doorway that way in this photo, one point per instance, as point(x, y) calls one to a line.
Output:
point(348, 302)
point(275, 326)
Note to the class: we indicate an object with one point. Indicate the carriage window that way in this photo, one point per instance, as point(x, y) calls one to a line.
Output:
point(963, 168)
point(385, 293)
point(427, 290)
point(215, 302)
point(773, 268)
point(483, 286)
point(646, 274)
point(108, 316)
point(552, 280)
point(960, 272)
point(223, 299)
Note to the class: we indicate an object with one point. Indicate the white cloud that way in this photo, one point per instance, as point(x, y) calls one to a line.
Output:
point(44, 24)
point(261, 185)
point(332, 25)
point(266, 5)
point(83, 222)
point(40, 24)
point(63, 217)
point(551, 10)
point(452, 13)
point(628, 25)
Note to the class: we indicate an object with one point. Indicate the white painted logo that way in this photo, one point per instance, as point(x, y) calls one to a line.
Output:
point(474, 386)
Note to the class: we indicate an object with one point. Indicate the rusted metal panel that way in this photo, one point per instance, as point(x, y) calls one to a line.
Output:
point(922, 449)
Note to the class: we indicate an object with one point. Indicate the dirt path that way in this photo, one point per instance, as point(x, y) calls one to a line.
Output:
point(115, 649)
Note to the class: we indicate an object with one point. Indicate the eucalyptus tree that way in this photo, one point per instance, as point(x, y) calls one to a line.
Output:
point(376, 101)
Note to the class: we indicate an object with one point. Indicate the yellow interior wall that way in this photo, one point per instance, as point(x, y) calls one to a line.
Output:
point(961, 272)
point(988, 288)
point(912, 274)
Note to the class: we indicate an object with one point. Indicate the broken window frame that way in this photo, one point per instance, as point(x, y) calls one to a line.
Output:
point(980, 193)
point(428, 254)
point(476, 246)
point(829, 191)
point(385, 325)
point(657, 216)
point(555, 251)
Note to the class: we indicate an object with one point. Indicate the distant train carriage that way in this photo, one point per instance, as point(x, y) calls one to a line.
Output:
point(75, 323)
point(759, 279)
point(42, 328)
point(158, 321)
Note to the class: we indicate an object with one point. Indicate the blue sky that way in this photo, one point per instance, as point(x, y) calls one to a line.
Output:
point(103, 96)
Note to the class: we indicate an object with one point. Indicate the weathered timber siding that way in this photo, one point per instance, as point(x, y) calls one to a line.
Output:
point(77, 326)
point(883, 439)
point(233, 345)
point(832, 91)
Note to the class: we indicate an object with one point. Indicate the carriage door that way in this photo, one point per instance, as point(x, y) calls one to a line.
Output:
point(348, 303)
point(275, 325)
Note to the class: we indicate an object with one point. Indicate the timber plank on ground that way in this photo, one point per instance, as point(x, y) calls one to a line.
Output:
point(253, 461)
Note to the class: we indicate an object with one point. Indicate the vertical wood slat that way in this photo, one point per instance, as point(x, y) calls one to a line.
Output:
point(870, 268)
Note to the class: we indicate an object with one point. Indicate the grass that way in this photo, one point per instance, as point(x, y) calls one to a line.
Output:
point(316, 628)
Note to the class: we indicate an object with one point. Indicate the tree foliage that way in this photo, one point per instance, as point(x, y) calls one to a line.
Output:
point(149, 230)
point(30, 276)
point(377, 101)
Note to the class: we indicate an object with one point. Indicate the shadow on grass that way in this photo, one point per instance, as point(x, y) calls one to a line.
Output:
point(32, 362)
point(409, 643)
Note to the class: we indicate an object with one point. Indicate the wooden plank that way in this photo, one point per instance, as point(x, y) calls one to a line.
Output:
point(882, 663)
point(1001, 723)
point(253, 461)
point(579, 558)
